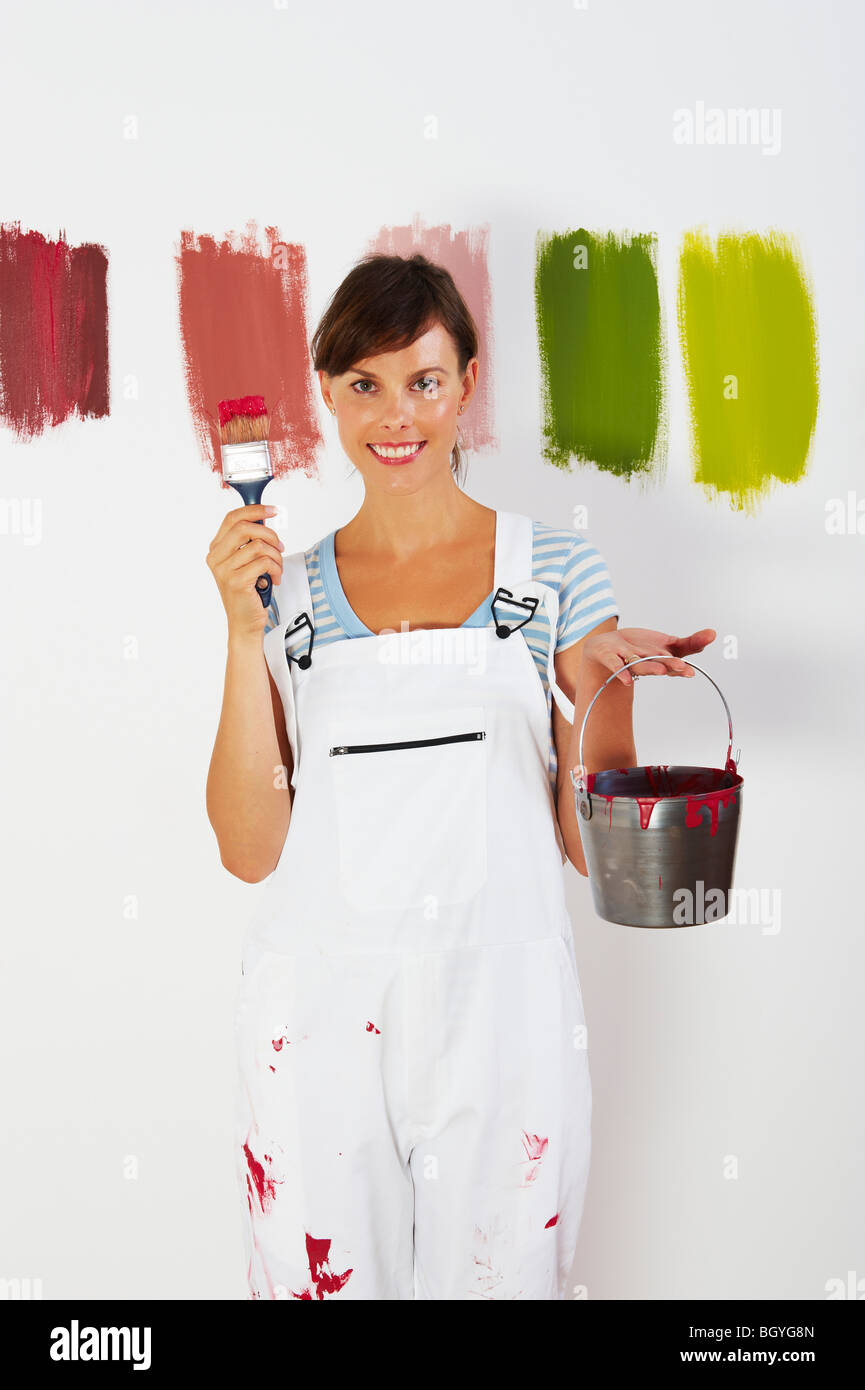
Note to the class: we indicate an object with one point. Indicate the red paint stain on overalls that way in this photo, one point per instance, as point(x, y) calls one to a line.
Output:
point(487, 1277)
point(282, 1040)
point(259, 1179)
point(552, 1221)
point(323, 1279)
point(371, 1028)
point(535, 1146)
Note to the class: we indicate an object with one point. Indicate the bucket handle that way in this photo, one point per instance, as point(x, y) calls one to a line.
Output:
point(730, 764)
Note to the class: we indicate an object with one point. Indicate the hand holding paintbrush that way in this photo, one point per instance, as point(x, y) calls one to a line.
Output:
point(238, 552)
point(243, 430)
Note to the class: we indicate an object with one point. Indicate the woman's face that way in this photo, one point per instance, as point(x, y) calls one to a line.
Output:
point(397, 412)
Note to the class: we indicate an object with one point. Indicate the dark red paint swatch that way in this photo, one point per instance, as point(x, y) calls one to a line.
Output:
point(53, 330)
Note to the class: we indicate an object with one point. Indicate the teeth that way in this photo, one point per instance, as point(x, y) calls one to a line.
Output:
point(386, 452)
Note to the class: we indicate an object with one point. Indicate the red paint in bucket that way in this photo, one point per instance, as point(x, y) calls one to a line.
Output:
point(700, 786)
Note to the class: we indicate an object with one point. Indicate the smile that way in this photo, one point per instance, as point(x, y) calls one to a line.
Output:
point(400, 453)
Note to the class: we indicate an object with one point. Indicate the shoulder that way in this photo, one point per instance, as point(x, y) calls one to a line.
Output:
point(569, 562)
point(559, 553)
point(299, 568)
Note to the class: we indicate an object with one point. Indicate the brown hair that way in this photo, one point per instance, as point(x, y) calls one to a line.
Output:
point(384, 304)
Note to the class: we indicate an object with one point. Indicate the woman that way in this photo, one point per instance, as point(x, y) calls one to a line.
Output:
point(415, 1100)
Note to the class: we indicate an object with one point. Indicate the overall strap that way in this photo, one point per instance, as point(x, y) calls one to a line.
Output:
point(290, 640)
point(516, 588)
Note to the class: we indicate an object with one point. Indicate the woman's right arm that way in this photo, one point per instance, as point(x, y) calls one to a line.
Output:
point(249, 781)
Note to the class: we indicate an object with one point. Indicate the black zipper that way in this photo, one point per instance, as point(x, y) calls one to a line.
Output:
point(409, 743)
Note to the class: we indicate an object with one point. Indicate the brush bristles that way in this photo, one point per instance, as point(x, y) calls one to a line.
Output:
point(244, 429)
point(243, 421)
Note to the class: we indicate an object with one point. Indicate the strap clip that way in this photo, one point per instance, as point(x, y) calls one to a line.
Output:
point(503, 595)
point(302, 620)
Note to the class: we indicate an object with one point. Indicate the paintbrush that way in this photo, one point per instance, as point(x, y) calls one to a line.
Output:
point(243, 429)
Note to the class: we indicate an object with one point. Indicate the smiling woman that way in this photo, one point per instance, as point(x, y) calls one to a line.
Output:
point(413, 945)
point(392, 306)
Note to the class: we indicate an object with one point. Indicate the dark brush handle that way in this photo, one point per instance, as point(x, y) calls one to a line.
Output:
point(251, 491)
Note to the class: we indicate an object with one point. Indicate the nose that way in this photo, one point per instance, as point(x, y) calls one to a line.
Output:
point(397, 412)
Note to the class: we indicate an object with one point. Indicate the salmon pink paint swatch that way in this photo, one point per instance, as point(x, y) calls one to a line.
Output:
point(465, 255)
point(53, 330)
point(243, 329)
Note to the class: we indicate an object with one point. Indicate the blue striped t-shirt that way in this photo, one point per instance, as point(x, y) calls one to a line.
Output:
point(561, 558)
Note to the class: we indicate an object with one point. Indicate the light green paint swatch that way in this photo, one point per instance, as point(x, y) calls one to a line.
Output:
point(749, 342)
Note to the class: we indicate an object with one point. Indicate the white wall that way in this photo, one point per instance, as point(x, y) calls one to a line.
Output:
point(116, 1034)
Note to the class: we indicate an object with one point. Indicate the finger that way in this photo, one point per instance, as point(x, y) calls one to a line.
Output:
point(695, 642)
point(245, 575)
point(627, 677)
point(239, 516)
point(248, 527)
point(673, 666)
point(249, 553)
point(253, 531)
point(240, 535)
point(612, 663)
point(252, 512)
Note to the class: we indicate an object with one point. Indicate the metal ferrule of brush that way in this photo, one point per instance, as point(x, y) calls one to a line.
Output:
point(244, 464)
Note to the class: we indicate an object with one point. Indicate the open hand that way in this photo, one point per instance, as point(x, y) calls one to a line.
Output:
point(611, 649)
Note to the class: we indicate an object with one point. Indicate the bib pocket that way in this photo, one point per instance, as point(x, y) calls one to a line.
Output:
point(410, 793)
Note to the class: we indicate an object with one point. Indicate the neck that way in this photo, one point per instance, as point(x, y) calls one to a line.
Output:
point(397, 528)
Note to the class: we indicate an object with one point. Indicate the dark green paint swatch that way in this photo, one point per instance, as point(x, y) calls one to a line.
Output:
point(749, 340)
point(599, 331)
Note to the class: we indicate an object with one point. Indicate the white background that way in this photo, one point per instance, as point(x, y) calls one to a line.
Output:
point(705, 1043)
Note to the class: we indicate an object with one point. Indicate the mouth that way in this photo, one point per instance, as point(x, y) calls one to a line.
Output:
point(397, 453)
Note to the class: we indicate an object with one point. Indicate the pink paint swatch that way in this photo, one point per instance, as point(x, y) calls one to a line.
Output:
point(464, 254)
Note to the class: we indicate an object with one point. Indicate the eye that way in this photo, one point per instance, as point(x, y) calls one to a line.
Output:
point(433, 379)
point(363, 382)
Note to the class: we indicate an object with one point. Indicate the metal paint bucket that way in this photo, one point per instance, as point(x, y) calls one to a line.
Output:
point(660, 842)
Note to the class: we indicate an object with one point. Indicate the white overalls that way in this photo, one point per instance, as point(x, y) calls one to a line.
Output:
point(414, 1106)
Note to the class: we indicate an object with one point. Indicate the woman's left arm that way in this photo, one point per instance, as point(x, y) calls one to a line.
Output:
point(581, 670)
point(609, 738)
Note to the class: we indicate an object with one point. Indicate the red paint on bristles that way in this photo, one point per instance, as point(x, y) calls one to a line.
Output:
point(244, 405)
